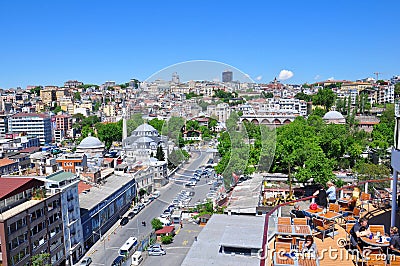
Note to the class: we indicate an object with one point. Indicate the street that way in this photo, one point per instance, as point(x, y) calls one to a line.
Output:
point(103, 253)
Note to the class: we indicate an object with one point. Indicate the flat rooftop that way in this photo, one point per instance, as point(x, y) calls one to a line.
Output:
point(19, 208)
point(246, 196)
point(99, 193)
point(227, 230)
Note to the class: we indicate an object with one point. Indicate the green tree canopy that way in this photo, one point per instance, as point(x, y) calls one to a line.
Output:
point(325, 97)
point(132, 123)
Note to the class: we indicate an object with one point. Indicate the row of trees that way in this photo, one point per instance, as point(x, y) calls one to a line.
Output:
point(306, 148)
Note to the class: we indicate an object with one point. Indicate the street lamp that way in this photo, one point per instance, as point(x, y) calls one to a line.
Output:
point(104, 241)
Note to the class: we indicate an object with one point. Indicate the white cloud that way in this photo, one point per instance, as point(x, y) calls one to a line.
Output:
point(259, 78)
point(317, 77)
point(331, 78)
point(285, 74)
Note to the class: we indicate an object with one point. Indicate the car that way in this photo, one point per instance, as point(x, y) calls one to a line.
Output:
point(165, 216)
point(86, 261)
point(131, 215)
point(136, 210)
point(141, 206)
point(191, 193)
point(156, 245)
point(156, 252)
point(147, 202)
point(210, 182)
point(124, 221)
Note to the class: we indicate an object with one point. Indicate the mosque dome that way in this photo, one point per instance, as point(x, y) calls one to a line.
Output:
point(90, 143)
point(333, 115)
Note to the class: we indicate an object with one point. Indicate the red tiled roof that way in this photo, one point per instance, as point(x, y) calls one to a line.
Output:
point(109, 159)
point(165, 230)
point(9, 186)
point(30, 149)
point(6, 161)
point(82, 186)
point(30, 115)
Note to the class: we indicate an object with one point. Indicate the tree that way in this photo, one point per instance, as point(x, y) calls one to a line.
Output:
point(57, 109)
point(135, 121)
point(157, 124)
point(167, 239)
point(77, 96)
point(397, 90)
point(36, 90)
point(303, 96)
point(368, 171)
point(156, 224)
point(142, 192)
point(212, 124)
point(173, 128)
point(40, 259)
point(109, 132)
point(325, 97)
point(160, 154)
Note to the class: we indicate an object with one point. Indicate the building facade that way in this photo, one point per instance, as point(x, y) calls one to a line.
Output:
point(33, 124)
point(30, 223)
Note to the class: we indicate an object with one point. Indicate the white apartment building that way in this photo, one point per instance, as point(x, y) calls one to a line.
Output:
point(67, 184)
point(37, 125)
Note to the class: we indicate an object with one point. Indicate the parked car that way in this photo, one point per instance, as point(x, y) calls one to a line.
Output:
point(147, 202)
point(141, 206)
point(86, 261)
point(131, 215)
point(136, 210)
point(156, 252)
point(156, 245)
point(124, 221)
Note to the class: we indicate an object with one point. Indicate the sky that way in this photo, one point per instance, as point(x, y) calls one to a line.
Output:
point(49, 42)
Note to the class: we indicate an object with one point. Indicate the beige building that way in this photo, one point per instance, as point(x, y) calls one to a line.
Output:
point(48, 96)
point(66, 104)
point(221, 111)
point(109, 110)
point(359, 86)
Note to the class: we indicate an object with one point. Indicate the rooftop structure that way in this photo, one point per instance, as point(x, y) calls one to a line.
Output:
point(227, 240)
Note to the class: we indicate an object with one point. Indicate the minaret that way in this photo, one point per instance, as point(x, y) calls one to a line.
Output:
point(124, 127)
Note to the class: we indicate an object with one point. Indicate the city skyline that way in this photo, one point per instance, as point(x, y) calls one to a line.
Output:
point(46, 44)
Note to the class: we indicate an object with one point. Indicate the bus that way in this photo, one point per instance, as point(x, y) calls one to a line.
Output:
point(129, 247)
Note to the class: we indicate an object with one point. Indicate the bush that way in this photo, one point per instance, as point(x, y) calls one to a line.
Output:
point(166, 239)
point(156, 224)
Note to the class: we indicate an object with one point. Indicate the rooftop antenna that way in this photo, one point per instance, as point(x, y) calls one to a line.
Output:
point(377, 75)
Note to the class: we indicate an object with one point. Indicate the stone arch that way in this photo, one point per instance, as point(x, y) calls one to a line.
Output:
point(255, 121)
point(287, 121)
point(277, 121)
point(265, 122)
point(245, 120)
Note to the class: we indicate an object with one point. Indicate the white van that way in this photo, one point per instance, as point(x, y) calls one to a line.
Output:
point(137, 258)
point(156, 194)
point(164, 221)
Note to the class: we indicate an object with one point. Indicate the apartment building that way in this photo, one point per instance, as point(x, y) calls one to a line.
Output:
point(67, 184)
point(63, 122)
point(3, 125)
point(222, 111)
point(72, 84)
point(73, 162)
point(30, 222)
point(48, 95)
point(33, 124)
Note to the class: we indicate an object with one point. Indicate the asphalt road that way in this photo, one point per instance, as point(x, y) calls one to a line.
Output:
point(104, 252)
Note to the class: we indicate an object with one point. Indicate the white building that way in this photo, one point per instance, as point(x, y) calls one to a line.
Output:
point(67, 184)
point(38, 125)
